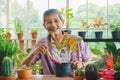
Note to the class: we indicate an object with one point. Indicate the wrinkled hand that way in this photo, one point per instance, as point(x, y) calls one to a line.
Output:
point(76, 64)
point(42, 48)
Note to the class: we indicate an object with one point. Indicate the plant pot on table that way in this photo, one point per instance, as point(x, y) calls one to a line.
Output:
point(24, 73)
point(63, 69)
point(78, 77)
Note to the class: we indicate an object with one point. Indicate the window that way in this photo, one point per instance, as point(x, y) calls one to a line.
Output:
point(30, 12)
point(3, 11)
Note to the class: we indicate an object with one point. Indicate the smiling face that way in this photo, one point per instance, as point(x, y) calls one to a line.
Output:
point(53, 24)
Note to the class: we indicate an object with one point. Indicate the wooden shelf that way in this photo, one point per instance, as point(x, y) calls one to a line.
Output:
point(101, 40)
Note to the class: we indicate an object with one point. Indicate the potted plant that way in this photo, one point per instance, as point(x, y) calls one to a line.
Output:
point(79, 74)
point(34, 33)
point(8, 34)
point(7, 69)
point(68, 46)
point(24, 72)
point(7, 49)
point(28, 50)
point(67, 12)
point(84, 26)
point(112, 49)
point(99, 24)
point(18, 28)
point(18, 58)
point(91, 72)
point(115, 27)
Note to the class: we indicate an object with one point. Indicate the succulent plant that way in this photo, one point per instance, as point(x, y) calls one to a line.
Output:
point(91, 72)
point(79, 72)
point(7, 67)
point(91, 68)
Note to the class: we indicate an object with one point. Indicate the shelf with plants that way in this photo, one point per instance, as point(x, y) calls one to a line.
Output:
point(102, 40)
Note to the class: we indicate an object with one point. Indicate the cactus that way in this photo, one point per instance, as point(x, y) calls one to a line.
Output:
point(7, 67)
point(78, 72)
point(91, 68)
point(91, 72)
point(7, 48)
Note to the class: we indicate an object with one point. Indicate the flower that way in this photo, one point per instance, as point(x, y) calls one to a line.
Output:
point(110, 61)
point(97, 22)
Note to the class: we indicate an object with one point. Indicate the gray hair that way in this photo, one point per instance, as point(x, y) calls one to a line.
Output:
point(52, 11)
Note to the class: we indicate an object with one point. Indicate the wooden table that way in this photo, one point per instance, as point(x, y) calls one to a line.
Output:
point(52, 77)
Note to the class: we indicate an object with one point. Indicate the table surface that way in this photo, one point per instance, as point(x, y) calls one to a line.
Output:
point(52, 77)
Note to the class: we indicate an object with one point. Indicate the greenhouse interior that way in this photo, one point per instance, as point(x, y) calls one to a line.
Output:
point(59, 39)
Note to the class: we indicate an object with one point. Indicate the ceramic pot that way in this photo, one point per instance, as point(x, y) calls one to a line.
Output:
point(78, 77)
point(63, 69)
point(82, 34)
point(34, 35)
point(98, 35)
point(24, 73)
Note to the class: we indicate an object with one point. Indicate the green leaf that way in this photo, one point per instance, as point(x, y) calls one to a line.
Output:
point(111, 47)
point(96, 51)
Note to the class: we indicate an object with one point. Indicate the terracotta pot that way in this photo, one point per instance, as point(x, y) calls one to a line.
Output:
point(20, 36)
point(8, 35)
point(24, 73)
point(34, 35)
point(78, 77)
point(7, 78)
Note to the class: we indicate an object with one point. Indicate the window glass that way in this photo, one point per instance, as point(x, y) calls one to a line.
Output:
point(36, 10)
point(79, 10)
point(114, 10)
point(97, 9)
point(57, 4)
point(2, 14)
point(18, 9)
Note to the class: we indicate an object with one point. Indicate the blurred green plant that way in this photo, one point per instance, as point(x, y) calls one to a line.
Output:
point(68, 13)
